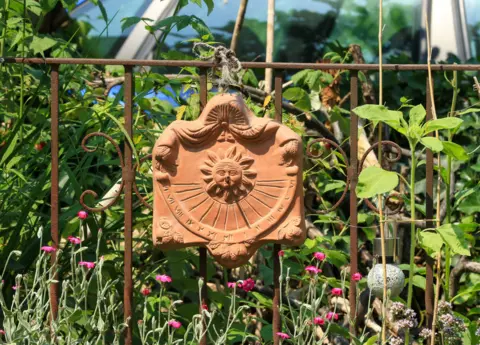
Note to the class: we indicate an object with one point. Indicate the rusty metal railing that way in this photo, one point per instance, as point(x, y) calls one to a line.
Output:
point(128, 169)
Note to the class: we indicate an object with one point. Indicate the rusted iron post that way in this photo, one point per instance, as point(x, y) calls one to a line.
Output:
point(128, 177)
point(353, 171)
point(203, 250)
point(277, 320)
point(430, 224)
point(54, 80)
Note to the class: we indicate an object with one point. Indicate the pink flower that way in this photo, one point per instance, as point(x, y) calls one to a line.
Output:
point(48, 249)
point(74, 240)
point(281, 253)
point(2, 332)
point(15, 287)
point(319, 256)
point(337, 291)
point(163, 278)
point(231, 285)
point(82, 214)
point(318, 321)
point(175, 324)
point(205, 306)
point(87, 264)
point(331, 315)
point(146, 291)
point(356, 276)
point(313, 269)
point(247, 285)
point(283, 335)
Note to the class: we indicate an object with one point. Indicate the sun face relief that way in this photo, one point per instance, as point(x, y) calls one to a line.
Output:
point(245, 191)
point(228, 176)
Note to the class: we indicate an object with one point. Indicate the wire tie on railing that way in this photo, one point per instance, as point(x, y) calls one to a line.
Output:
point(225, 59)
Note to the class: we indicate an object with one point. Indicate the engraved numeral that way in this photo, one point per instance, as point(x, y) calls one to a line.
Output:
point(287, 198)
point(200, 228)
point(178, 211)
point(170, 199)
point(280, 208)
point(212, 234)
point(189, 221)
point(258, 227)
point(291, 184)
point(165, 188)
point(228, 237)
point(271, 219)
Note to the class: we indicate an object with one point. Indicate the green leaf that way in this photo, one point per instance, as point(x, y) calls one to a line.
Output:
point(432, 143)
point(294, 94)
point(104, 13)
point(454, 150)
point(129, 21)
point(40, 44)
point(445, 123)
point(431, 242)
point(210, 5)
point(469, 111)
point(419, 281)
point(374, 180)
point(471, 204)
point(417, 114)
point(453, 235)
point(48, 5)
point(377, 113)
point(336, 258)
point(372, 340)
point(264, 301)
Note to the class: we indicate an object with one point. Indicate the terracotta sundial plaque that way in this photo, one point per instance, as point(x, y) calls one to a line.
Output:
point(229, 181)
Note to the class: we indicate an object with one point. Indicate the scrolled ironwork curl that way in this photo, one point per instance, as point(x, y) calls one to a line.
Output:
point(310, 154)
point(389, 159)
point(135, 187)
point(91, 192)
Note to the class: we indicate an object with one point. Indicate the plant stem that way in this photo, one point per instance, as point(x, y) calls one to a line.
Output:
point(448, 253)
point(380, 198)
point(412, 236)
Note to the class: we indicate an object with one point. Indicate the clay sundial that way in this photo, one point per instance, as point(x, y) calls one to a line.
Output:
point(229, 181)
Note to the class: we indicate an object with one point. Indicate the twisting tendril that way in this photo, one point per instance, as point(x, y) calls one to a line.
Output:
point(91, 192)
point(310, 154)
point(385, 158)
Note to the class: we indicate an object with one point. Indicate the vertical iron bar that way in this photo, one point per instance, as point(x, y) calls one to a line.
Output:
point(128, 176)
point(429, 295)
point(203, 250)
point(277, 321)
point(54, 181)
point(353, 197)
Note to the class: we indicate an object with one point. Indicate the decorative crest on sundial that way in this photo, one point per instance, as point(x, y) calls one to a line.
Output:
point(229, 181)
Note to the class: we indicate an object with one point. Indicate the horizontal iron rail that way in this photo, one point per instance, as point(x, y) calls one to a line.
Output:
point(274, 65)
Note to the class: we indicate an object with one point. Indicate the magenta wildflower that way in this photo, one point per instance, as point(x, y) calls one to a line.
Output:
point(318, 321)
point(175, 324)
point(231, 285)
point(16, 287)
point(247, 285)
point(146, 291)
point(2, 332)
point(283, 335)
point(331, 315)
point(337, 291)
point(74, 240)
point(281, 253)
point(48, 249)
point(163, 278)
point(319, 256)
point(313, 269)
point(82, 214)
point(356, 276)
point(87, 264)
